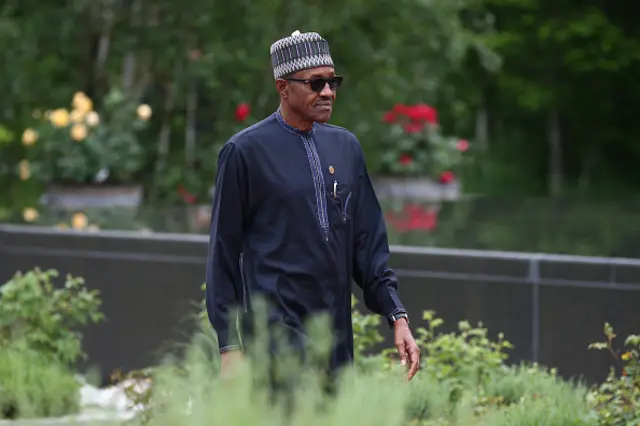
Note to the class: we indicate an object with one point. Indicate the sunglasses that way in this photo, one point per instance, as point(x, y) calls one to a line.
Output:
point(318, 84)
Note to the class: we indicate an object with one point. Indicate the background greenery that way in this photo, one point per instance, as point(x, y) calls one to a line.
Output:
point(545, 91)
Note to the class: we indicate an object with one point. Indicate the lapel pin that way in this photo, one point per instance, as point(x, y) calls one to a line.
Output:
point(331, 170)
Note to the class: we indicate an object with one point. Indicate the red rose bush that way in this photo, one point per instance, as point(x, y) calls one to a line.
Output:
point(416, 146)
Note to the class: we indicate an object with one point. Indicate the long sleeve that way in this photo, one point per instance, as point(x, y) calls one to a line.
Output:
point(371, 250)
point(223, 279)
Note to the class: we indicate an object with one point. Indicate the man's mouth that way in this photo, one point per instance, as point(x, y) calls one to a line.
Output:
point(324, 106)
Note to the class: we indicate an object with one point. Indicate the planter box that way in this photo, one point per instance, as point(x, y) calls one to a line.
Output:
point(419, 189)
point(72, 197)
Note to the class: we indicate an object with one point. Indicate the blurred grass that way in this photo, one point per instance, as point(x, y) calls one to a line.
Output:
point(188, 391)
point(278, 388)
point(31, 386)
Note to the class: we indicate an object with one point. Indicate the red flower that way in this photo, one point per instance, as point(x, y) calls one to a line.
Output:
point(389, 117)
point(186, 196)
point(397, 222)
point(400, 109)
point(447, 177)
point(420, 218)
point(422, 113)
point(462, 145)
point(406, 159)
point(412, 128)
point(242, 111)
point(414, 218)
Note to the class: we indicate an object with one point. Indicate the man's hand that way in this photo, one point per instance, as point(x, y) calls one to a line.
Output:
point(229, 363)
point(407, 347)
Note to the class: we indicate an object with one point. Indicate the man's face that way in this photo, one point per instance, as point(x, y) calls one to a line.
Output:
point(297, 91)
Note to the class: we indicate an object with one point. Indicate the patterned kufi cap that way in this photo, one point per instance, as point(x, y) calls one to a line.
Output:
point(299, 51)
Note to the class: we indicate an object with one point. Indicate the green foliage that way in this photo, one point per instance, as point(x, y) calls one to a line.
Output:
point(560, 404)
point(511, 385)
point(466, 358)
point(32, 386)
point(551, 53)
point(39, 316)
point(446, 53)
point(366, 336)
point(203, 64)
point(464, 380)
point(188, 390)
point(6, 136)
point(617, 400)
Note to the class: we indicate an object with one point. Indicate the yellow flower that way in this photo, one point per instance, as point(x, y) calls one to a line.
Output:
point(626, 356)
point(29, 137)
point(59, 117)
point(82, 102)
point(144, 112)
point(77, 116)
point(25, 170)
point(79, 132)
point(30, 214)
point(36, 114)
point(79, 221)
point(92, 119)
point(62, 225)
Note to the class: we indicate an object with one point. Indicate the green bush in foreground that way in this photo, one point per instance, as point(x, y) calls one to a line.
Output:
point(617, 400)
point(464, 380)
point(45, 318)
point(33, 386)
point(463, 383)
point(40, 342)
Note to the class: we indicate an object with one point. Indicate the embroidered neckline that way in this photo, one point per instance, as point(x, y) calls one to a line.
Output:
point(290, 128)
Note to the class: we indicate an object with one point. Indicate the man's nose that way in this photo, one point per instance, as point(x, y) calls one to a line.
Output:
point(326, 91)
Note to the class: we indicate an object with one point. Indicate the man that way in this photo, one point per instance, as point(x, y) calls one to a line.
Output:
point(295, 217)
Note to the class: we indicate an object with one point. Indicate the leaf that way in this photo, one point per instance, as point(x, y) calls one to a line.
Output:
point(632, 340)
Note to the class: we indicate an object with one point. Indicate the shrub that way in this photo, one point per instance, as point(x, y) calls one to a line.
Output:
point(96, 149)
point(366, 336)
point(44, 318)
point(467, 357)
point(188, 391)
point(464, 381)
point(617, 400)
point(415, 145)
point(562, 405)
point(516, 383)
point(33, 386)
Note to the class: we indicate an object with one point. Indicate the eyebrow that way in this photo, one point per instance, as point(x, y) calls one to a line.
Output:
point(316, 75)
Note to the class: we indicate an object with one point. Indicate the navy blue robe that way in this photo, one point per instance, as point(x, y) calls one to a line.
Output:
point(295, 220)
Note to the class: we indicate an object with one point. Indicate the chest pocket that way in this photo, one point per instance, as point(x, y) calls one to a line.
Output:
point(340, 202)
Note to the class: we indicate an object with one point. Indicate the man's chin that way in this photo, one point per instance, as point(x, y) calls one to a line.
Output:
point(322, 117)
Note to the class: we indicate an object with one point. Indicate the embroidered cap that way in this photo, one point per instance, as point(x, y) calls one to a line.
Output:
point(299, 51)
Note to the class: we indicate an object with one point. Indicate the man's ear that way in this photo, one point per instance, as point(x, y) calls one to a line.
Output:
point(282, 88)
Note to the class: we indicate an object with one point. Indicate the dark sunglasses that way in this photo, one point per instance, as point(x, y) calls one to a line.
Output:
point(318, 84)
